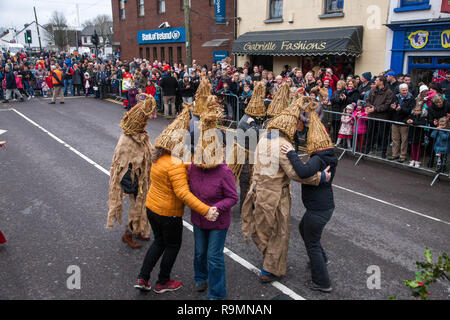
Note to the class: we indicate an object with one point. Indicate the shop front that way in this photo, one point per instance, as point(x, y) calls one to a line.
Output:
point(337, 47)
point(422, 50)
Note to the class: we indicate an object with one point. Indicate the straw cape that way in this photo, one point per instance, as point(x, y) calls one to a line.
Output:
point(173, 136)
point(133, 154)
point(287, 121)
point(256, 107)
point(318, 138)
point(209, 150)
point(201, 97)
point(280, 101)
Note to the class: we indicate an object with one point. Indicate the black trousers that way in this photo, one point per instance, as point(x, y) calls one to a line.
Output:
point(311, 227)
point(378, 133)
point(168, 233)
point(102, 88)
point(78, 89)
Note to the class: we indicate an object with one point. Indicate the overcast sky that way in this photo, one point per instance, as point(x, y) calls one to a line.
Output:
point(15, 13)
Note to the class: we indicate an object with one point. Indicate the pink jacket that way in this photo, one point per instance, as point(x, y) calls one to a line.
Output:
point(362, 124)
point(19, 82)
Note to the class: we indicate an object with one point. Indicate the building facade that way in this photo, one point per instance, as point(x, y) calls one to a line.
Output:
point(155, 29)
point(347, 34)
point(18, 36)
point(419, 39)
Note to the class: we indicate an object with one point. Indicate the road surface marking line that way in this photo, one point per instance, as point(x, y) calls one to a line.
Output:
point(391, 204)
point(228, 252)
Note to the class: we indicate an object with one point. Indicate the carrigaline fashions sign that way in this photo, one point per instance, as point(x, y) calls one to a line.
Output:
point(323, 41)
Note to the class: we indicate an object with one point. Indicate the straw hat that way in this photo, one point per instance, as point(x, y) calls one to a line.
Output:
point(318, 138)
point(168, 139)
point(287, 120)
point(201, 96)
point(135, 120)
point(209, 150)
point(256, 107)
point(280, 101)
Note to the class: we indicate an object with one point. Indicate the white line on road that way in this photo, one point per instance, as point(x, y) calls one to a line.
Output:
point(226, 251)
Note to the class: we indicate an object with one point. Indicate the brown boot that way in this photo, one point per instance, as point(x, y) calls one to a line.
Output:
point(128, 239)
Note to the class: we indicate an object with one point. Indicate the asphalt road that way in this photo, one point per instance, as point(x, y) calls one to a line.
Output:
point(53, 206)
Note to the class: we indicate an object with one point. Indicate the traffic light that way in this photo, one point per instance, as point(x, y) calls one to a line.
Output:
point(28, 36)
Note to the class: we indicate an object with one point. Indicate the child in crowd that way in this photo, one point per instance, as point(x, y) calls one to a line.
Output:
point(115, 84)
point(44, 88)
point(360, 118)
point(416, 135)
point(246, 95)
point(441, 144)
point(346, 130)
point(132, 93)
point(49, 82)
point(87, 83)
point(19, 83)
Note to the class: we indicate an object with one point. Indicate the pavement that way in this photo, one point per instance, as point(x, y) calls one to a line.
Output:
point(53, 206)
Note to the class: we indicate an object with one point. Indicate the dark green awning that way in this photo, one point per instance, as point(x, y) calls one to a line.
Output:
point(302, 42)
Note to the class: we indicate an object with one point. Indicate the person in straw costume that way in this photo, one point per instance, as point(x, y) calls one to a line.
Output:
point(244, 147)
point(280, 101)
point(130, 172)
point(266, 209)
point(200, 105)
point(168, 193)
point(212, 182)
point(318, 200)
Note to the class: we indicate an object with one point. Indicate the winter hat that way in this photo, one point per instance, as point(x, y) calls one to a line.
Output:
point(201, 96)
point(280, 101)
point(256, 107)
point(318, 138)
point(168, 139)
point(423, 88)
point(390, 73)
point(287, 120)
point(135, 120)
point(367, 75)
point(86, 75)
point(349, 106)
point(208, 150)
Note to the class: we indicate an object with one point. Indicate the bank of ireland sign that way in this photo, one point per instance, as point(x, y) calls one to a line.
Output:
point(162, 36)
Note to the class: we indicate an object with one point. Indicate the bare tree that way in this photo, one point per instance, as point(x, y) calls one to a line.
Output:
point(56, 29)
point(102, 24)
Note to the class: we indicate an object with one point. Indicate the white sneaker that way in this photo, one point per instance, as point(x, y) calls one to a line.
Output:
point(417, 164)
point(412, 163)
point(29, 97)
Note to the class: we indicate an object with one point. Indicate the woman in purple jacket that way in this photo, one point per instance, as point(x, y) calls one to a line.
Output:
point(212, 182)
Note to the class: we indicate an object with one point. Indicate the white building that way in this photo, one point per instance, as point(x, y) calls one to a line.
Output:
point(14, 36)
point(418, 40)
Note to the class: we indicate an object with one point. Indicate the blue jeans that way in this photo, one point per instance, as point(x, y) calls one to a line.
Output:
point(311, 228)
point(209, 261)
point(28, 88)
point(68, 83)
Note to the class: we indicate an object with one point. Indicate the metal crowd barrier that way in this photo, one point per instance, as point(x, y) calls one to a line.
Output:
point(232, 106)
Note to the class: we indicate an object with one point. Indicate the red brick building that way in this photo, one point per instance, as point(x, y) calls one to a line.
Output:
point(132, 17)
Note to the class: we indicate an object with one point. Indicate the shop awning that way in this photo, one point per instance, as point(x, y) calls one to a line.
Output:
point(215, 43)
point(302, 42)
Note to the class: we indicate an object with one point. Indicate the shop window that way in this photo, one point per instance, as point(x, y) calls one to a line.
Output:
point(141, 53)
point(332, 9)
point(155, 54)
point(421, 60)
point(413, 5)
point(179, 55)
point(163, 54)
point(147, 53)
point(140, 5)
point(161, 6)
point(443, 60)
point(122, 9)
point(170, 54)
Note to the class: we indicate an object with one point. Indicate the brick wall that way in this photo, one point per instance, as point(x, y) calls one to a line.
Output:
point(203, 28)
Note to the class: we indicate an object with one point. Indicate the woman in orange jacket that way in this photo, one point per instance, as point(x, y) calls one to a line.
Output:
point(168, 193)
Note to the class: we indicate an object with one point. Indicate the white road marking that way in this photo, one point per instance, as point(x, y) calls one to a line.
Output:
point(3, 131)
point(226, 251)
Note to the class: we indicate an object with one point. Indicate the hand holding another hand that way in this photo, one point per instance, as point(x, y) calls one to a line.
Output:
point(286, 148)
point(212, 214)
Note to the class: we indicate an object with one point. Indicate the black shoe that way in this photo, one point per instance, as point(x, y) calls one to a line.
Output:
point(22, 99)
point(308, 265)
point(61, 102)
point(51, 102)
point(311, 285)
point(5, 101)
point(393, 158)
point(268, 279)
point(201, 287)
point(401, 160)
point(383, 155)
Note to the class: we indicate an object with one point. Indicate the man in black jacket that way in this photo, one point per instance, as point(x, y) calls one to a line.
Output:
point(401, 108)
point(169, 86)
point(11, 85)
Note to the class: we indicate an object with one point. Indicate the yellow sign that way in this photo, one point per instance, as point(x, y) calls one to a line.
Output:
point(445, 39)
point(419, 39)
